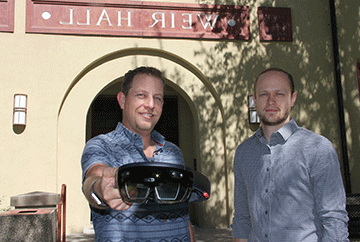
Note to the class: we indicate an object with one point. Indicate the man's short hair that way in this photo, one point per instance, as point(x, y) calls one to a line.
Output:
point(129, 77)
point(292, 85)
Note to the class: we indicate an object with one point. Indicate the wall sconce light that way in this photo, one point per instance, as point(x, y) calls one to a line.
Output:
point(253, 117)
point(20, 106)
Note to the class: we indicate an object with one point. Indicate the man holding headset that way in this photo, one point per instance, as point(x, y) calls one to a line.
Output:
point(133, 140)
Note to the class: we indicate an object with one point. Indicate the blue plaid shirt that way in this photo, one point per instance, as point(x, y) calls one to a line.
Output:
point(288, 189)
point(150, 222)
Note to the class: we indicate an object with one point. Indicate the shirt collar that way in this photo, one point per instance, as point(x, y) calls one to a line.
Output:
point(288, 129)
point(136, 138)
point(284, 132)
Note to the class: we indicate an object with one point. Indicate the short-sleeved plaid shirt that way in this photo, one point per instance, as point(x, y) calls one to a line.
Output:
point(149, 222)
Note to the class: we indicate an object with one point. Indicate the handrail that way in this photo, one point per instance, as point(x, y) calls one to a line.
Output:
point(62, 215)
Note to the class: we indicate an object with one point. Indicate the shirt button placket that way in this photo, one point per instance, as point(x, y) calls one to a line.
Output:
point(268, 174)
point(268, 195)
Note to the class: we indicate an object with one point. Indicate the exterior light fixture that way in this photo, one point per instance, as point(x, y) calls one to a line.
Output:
point(20, 106)
point(253, 116)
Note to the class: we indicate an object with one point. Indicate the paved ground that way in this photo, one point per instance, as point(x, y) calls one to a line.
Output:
point(202, 235)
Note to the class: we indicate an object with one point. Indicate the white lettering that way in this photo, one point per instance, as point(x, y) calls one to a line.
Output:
point(124, 18)
point(87, 18)
point(104, 13)
point(172, 20)
point(157, 20)
point(71, 21)
point(208, 18)
point(128, 18)
point(189, 20)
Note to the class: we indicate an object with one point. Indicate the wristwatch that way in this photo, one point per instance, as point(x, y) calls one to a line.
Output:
point(95, 197)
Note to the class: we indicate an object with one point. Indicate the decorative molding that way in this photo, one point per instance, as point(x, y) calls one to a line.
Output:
point(7, 15)
point(138, 18)
point(275, 24)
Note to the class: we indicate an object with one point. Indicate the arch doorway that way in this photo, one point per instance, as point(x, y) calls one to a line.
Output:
point(200, 137)
point(177, 123)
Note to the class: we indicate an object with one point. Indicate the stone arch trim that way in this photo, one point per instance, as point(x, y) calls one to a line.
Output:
point(150, 52)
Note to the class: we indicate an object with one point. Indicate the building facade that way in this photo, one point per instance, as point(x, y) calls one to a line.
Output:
point(69, 58)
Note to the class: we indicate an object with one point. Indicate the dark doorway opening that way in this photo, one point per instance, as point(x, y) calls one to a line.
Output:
point(105, 115)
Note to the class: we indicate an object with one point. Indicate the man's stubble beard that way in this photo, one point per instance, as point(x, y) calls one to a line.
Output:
point(278, 121)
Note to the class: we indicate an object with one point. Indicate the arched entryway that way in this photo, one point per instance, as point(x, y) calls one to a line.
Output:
point(204, 140)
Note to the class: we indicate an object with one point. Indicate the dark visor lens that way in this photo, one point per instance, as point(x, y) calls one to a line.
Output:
point(167, 191)
point(164, 185)
point(132, 192)
point(171, 192)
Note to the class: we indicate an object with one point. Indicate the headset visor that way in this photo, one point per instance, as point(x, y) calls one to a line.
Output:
point(162, 182)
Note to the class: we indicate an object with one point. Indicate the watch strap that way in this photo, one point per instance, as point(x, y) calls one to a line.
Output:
point(97, 200)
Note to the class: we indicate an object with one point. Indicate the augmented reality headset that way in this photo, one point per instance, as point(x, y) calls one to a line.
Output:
point(162, 182)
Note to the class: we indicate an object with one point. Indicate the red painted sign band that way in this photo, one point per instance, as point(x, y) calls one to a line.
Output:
point(6, 15)
point(135, 18)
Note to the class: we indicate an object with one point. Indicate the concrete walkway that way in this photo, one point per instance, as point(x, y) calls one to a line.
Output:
point(201, 234)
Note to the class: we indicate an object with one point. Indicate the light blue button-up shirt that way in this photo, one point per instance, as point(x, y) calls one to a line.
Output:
point(289, 189)
point(150, 222)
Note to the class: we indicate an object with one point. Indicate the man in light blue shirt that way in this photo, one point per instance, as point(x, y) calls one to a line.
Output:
point(288, 185)
point(134, 140)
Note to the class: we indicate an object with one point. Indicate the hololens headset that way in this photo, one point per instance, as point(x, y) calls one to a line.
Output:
point(164, 183)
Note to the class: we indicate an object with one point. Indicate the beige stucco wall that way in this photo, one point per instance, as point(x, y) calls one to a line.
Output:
point(46, 68)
